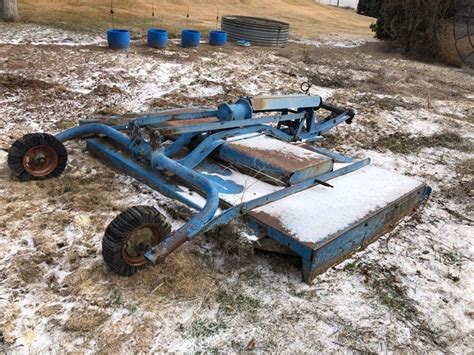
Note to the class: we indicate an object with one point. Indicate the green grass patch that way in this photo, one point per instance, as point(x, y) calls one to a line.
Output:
point(386, 288)
point(238, 303)
point(389, 292)
point(201, 328)
point(117, 299)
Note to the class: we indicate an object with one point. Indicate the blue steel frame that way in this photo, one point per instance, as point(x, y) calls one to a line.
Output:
point(292, 122)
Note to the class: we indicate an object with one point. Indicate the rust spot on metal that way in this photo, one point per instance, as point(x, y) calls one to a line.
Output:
point(137, 241)
point(276, 158)
point(306, 165)
point(270, 221)
point(170, 244)
point(40, 160)
point(124, 119)
point(175, 123)
point(259, 103)
point(274, 223)
point(409, 202)
point(269, 244)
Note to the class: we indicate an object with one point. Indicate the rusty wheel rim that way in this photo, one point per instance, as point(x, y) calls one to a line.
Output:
point(40, 161)
point(138, 240)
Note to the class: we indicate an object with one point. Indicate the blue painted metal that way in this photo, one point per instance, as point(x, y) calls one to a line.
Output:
point(155, 119)
point(179, 144)
point(109, 154)
point(203, 131)
point(201, 152)
point(241, 110)
point(337, 157)
point(190, 38)
point(138, 148)
point(95, 129)
point(118, 39)
point(217, 38)
point(367, 230)
point(121, 122)
point(210, 143)
point(329, 123)
point(157, 38)
point(204, 219)
point(308, 130)
point(277, 165)
point(301, 249)
point(220, 125)
point(196, 224)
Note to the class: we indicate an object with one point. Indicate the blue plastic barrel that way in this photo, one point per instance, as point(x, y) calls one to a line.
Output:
point(217, 38)
point(118, 39)
point(190, 38)
point(157, 38)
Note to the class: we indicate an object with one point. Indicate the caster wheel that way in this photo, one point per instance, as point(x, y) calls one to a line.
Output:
point(37, 156)
point(128, 236)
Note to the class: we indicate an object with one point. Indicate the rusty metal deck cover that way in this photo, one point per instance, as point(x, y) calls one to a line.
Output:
point(281, 160)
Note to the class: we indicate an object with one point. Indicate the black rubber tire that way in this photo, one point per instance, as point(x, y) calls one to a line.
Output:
point(120, 228)
point(20, 147)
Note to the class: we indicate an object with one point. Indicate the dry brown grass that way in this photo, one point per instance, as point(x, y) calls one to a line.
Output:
point(307, 18)
point(446, 46)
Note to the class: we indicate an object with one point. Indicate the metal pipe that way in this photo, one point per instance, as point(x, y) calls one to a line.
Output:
point(201, 152)
point(195, 225)
point(337, 109)
point(329, 123)
point(95, 129)
point(215, 140)
point(131, 167)
point(179, 144)
point(172, 115)
point(221, 125)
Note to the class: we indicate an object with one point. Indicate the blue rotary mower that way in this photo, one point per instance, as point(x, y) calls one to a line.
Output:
point(258, 158)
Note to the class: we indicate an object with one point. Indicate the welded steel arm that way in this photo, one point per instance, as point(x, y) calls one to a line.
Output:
point(196, 224)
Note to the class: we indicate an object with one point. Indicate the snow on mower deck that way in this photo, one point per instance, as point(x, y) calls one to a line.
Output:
point(256, 158)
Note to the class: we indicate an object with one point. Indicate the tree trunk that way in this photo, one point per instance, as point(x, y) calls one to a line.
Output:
point(8, 10)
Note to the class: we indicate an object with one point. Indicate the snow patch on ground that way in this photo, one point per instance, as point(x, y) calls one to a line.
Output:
point(41, 35)
point(337, 43)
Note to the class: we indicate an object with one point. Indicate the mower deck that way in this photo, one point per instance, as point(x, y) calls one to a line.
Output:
point(267, 156)
point(254, 158)
point(323, 225)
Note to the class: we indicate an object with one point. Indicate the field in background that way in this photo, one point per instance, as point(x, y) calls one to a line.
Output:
point(342, 3)
point(307, 18)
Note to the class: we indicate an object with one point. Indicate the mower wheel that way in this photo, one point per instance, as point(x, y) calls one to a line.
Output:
point(129, 235)
point(37, 156)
